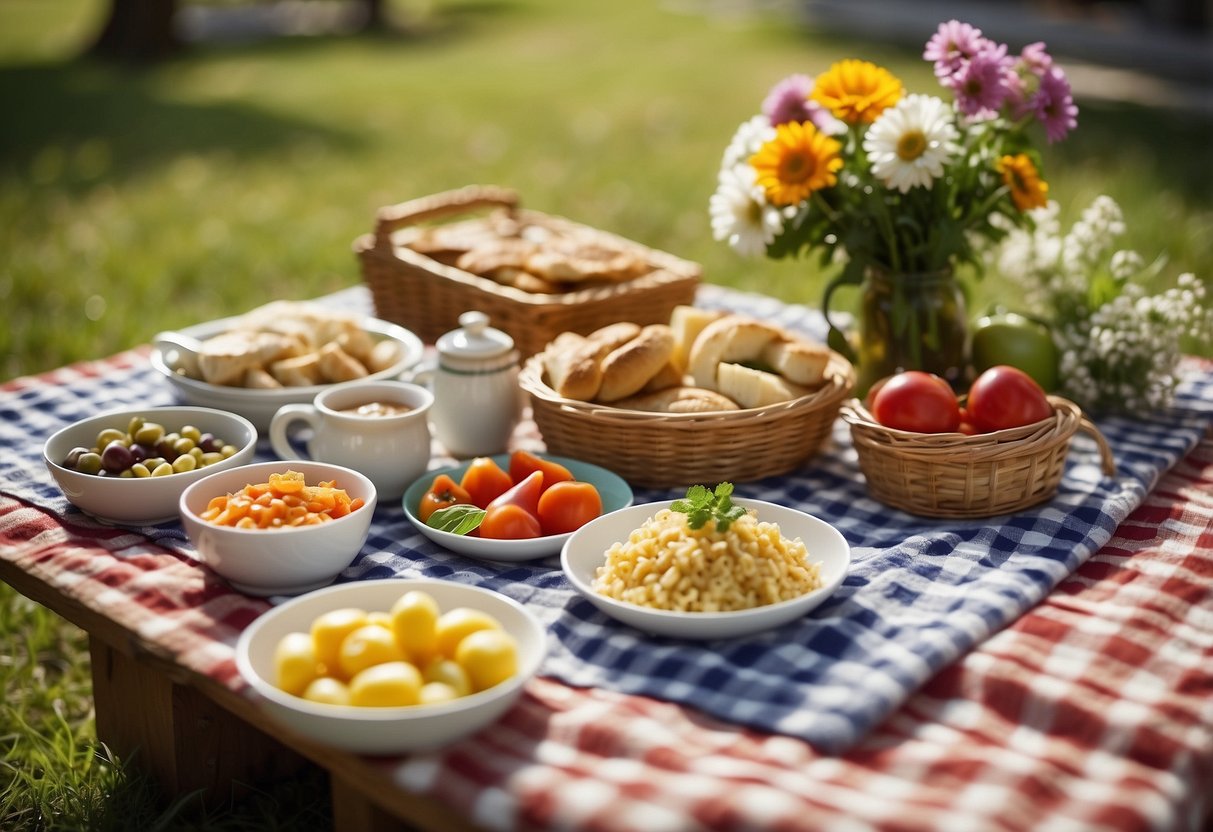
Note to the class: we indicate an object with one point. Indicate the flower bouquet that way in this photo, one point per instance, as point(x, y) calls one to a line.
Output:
point(901, 188)
point(1119, 346)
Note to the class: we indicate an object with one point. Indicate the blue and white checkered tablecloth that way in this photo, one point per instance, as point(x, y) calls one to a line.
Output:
point(919, 594)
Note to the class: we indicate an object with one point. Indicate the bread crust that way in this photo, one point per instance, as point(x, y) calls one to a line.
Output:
point(680, 399)
point(573, 366)
point(799, 361)
point(729, 339)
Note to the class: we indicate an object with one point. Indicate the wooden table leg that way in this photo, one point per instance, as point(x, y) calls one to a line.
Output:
point(178, 735)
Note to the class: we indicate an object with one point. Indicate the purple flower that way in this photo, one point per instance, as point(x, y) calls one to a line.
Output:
point(952, 46)
point(982, 84)
point(1054, 105)
point(788, 101)
point(1024, 80)
point(1035, 59)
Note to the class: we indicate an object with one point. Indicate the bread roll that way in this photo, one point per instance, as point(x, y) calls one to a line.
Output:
point(687, 322)
point(573, 366)
point(613, 336)
point(755, 388)
point(337, 365)
point(667, 377)
point(800, 362)
point(627, 368)
point(679, 400)
point(731, 338)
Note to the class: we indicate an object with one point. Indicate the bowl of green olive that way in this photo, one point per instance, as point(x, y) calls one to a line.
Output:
point(130, 466)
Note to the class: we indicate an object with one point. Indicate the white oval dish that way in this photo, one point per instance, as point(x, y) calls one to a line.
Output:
point(613, 490)
point(283, 561)
point(586, 550)
point(150, 500)
point(259, 406)
point(387, 730)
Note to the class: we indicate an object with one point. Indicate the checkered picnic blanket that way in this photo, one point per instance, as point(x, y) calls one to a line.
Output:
point(919, 594)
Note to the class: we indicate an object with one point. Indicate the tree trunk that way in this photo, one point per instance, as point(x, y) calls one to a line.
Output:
point(138, 30)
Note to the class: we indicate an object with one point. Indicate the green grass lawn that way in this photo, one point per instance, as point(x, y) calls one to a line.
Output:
point(137, 199)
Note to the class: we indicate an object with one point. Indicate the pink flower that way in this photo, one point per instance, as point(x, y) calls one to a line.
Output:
point(788, 101)
point(952, 46)
point(1054, 105)
point(982, 83)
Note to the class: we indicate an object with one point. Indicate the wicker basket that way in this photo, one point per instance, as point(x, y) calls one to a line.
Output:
point(676, 450)
point(427, 296)
point(956, 476)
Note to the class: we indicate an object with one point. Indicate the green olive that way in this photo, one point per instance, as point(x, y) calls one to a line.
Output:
point(162, 470)
point(112, 435)
point(149, 433)
point(89, 463)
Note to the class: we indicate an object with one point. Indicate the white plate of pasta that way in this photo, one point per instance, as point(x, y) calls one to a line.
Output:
point(769, 568)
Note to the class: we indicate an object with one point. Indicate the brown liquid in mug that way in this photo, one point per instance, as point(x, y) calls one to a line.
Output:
point(376, 409)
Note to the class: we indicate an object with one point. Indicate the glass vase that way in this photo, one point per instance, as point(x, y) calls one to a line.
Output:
point(912, 322)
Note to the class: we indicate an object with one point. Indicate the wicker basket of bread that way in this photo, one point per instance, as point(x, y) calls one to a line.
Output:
point(954, 475)
point(535, 275)
point(707, 397)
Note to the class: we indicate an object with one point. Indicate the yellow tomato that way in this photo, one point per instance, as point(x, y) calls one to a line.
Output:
point(450, 673)
point(386, 686)
point(414, 620)
point(330, 629)
point(489, 657)
point(295, 664)
point(456, 624)
point(328, 691)
point(435, 693)
point(367, 646)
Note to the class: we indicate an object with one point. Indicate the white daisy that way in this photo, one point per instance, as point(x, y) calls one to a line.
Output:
point(911, 142)
point(740, 214)
point(747, 141)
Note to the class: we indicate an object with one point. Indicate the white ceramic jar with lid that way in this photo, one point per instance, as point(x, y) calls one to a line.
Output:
point(477, 401)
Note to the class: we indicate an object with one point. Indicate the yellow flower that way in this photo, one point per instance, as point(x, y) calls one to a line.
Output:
point(799, 160)
point(1028, 191)
point(857, 91)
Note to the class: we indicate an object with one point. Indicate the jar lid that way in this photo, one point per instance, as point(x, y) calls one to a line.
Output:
point(475, 338)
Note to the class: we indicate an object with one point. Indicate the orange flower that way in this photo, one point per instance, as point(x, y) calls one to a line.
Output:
point(799, 160)
point(857, 91)
point(1028, 191)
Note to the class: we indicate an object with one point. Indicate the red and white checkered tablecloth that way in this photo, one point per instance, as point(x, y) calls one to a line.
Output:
point(1093, 711)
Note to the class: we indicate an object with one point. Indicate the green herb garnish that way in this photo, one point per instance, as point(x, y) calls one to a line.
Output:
point(457, 519)
point(702, 505)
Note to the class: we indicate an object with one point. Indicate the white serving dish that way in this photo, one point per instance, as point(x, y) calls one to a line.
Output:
point(613, 490)
point(259, 406)
point(387, 730)
point(283, 561)
point(149, 500)
point(586, 550)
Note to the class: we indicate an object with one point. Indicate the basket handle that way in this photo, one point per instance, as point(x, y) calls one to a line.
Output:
point(1105, 452)
point(435, 206)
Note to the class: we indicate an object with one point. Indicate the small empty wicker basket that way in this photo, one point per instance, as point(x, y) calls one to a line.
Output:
point(951, 475)
point(677, 450)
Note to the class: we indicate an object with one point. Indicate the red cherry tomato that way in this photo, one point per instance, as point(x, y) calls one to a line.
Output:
point(917, 401)
point(523, 463)
point(1006, 397)
point(444, 493)
point(509, 522)
point(524, 494)
point(484, 480)
point(567, 506)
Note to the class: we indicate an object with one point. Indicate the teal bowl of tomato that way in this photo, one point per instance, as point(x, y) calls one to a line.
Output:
point(612, 491)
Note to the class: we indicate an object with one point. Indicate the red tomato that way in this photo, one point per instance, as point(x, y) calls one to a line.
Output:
point(917, 401)
point(525, 495)
point(442, 494)
point(509, 522)
point(523, 463)
point(484, 481)
point(1006, 397)
point(567, 506)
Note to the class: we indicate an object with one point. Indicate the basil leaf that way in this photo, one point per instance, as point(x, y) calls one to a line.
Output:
point(458, 519)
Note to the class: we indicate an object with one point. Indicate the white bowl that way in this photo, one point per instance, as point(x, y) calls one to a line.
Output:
point(586, 550)
point(387, 730)
point(150, 500)
point(259, 406)
point(615, 494)
point(283, 561)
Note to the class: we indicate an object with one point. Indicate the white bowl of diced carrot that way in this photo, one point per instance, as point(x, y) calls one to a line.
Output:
point(279, 528)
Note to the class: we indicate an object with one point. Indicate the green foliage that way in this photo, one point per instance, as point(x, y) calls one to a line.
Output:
point(702, 505)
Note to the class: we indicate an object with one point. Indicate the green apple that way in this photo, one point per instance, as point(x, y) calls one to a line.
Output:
point(1009, 338)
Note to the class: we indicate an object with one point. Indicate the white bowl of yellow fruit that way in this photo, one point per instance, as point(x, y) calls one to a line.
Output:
point(391, 666)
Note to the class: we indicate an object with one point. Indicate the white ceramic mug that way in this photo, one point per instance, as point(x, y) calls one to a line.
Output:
point(391, 450)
